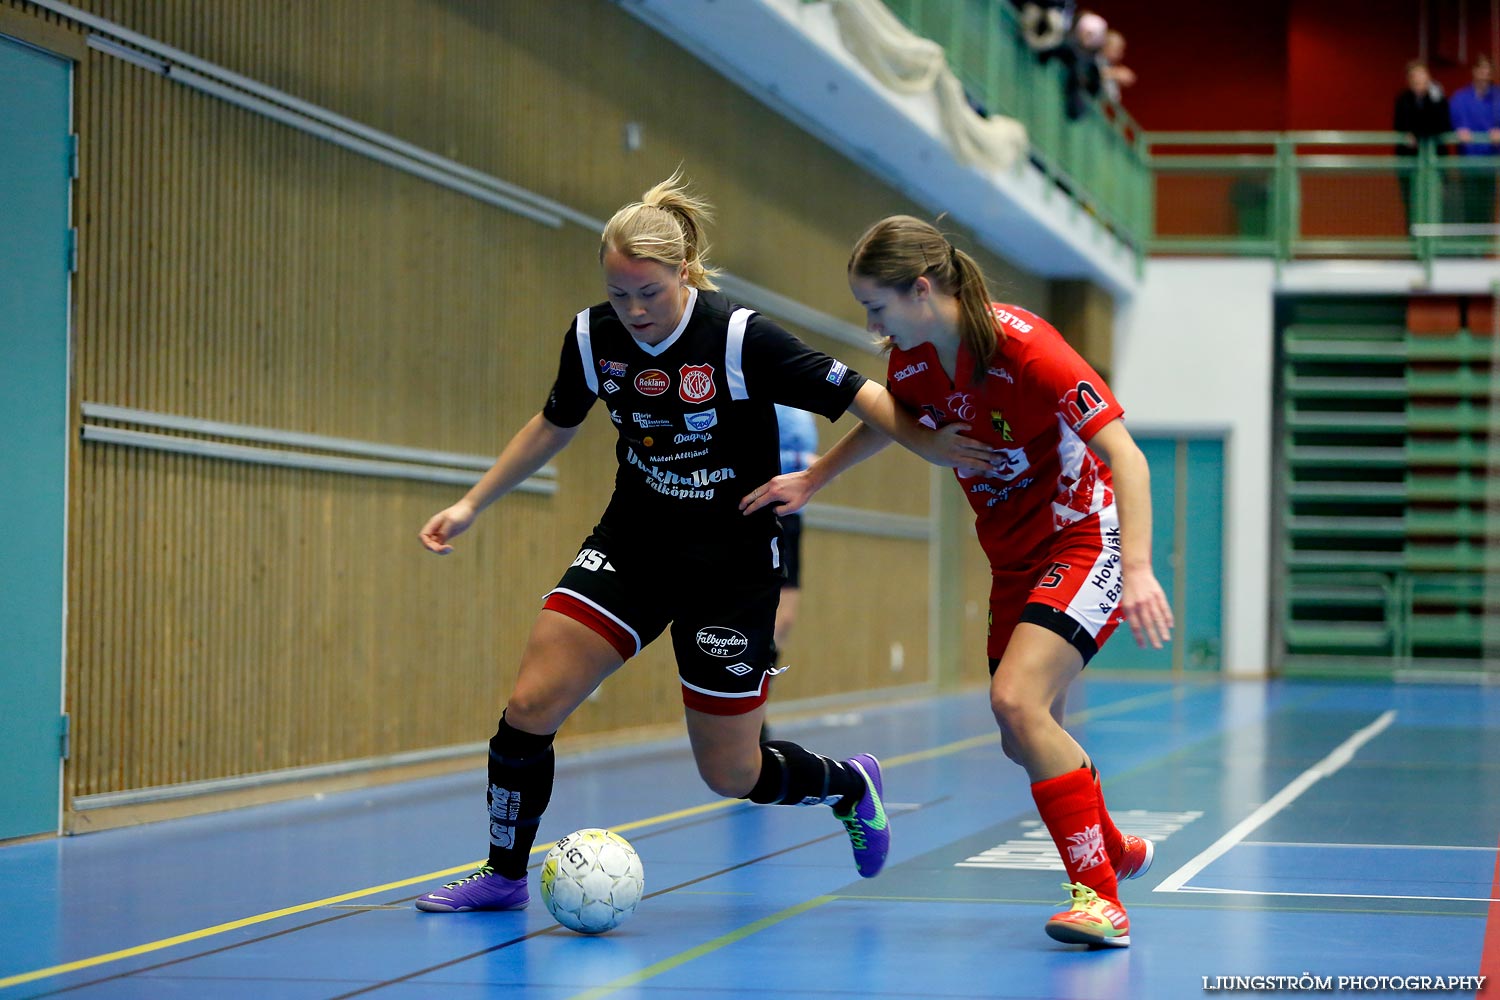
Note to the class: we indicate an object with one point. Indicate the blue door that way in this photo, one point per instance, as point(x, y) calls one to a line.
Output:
point(35, 244)
point(1187, 523)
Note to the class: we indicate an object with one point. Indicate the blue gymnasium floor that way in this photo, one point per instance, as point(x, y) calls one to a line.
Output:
point(1302, 828)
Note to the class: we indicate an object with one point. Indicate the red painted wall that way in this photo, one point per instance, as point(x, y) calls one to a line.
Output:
point(1285, 64)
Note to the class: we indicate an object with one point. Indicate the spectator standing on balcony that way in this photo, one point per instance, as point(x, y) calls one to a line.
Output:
point(1112, 69)
point(1421, 116)
point(1080, 55)
point(1476, 118)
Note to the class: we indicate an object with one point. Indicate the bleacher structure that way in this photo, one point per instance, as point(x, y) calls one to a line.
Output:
point(1384, 456)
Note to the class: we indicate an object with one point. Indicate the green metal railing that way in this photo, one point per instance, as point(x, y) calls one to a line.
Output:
point(1099, 159)
point(1296, 195)
point(1284, 195)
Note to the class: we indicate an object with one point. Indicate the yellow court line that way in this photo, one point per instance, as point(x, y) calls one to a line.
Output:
point(668, 964)
point(145, 949)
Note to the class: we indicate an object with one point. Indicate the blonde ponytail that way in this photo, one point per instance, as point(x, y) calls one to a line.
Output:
point(666, 226)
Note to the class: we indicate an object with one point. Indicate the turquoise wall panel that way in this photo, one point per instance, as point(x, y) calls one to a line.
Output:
point(34, 245)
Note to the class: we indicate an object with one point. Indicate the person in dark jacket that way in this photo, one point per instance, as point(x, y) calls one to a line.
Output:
point(1421, 116)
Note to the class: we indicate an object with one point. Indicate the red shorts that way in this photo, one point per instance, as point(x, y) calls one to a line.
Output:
point(1077, 572)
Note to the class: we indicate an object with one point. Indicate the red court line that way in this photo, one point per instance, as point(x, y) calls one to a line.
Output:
point(1489, 960)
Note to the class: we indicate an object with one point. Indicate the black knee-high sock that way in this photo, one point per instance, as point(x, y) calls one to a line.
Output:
point(792, 776)
point(521, 770)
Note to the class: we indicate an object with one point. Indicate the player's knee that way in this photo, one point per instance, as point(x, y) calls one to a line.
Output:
point(1015, 714)
point(732, 779)
point(531, 714)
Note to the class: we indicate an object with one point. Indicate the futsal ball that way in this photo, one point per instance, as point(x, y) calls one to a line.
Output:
point(591, 880)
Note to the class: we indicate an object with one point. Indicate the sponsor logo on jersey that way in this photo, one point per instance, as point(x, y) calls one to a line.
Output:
point(614, 368)
point(910, 370)
point(999, 494)
point(697, 383)
point(610, 385)
point(1011, 320)
point(695, 485)
point(836, 373)
point(739, 669)
point(652, 382)
point(614, 415)
point(960, 405)
point(717, 640)
point(695, 438)
point(1009, 463)
point(650, 420)
point(1000, 425)
point(700, 421)
point(1082, 403)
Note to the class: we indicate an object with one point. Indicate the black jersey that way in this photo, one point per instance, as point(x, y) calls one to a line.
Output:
point(695, 413)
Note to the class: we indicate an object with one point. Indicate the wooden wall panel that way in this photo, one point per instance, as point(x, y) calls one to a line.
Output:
point(229, 619)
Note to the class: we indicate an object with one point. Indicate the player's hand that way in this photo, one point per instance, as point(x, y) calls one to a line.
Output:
point(446, 525)
point(1146, 609)
point(949, 448)
point(789, 494)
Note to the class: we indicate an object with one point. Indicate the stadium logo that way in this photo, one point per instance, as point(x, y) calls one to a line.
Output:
point(652, 382)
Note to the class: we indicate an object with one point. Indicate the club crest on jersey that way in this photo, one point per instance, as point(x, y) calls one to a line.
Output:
point(614, 368)
point(701, 421)
point(1082, 403)
point(652, 382)
point(697, 384)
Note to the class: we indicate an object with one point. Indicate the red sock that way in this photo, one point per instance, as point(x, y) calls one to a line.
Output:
point(1069, 806)
point(1114, 841)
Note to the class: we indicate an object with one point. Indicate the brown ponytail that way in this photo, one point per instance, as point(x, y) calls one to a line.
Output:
point(898, 250)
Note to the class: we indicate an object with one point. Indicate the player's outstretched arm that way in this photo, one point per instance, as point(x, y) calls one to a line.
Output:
point(791, 492)
point(1143, 601)
point(946, 447)
point(533, 446)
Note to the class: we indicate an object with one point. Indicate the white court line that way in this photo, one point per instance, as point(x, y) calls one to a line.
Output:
point(1331, 895)
point(1322, 769)
point(1358, 847)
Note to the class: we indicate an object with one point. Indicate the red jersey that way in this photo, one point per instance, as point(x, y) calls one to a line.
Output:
point(1039, 403)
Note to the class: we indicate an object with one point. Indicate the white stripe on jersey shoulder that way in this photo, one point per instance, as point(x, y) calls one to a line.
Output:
point(734, 353)
point(656, 350)
point(586, 351)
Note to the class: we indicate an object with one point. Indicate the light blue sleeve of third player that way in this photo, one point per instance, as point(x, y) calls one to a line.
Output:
point(799, 438)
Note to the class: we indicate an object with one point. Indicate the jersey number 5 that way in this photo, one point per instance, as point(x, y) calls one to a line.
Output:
point(1053, 577)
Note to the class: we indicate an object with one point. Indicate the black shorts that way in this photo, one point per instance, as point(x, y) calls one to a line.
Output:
point(719, 599)
point(791, 549)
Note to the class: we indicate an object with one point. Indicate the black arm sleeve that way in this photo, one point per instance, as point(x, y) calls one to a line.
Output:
point(783, 369)
point(569, 401)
